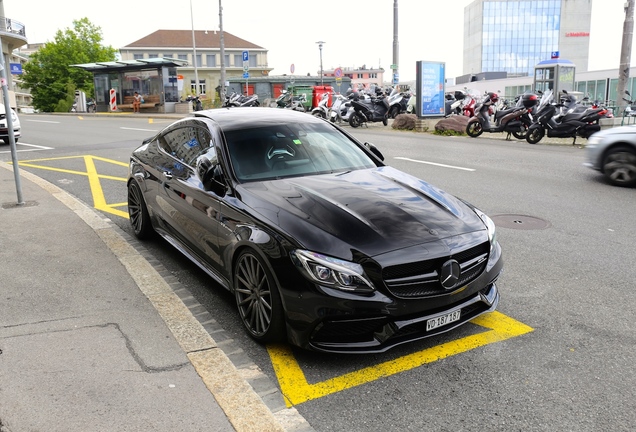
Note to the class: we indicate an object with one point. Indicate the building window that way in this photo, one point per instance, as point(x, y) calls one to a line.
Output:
point(210, 60)
point(198, 61)
point(202, 88)
point(253, 60)
point(153, 55)
point(238, 60)
point(183, 57)
point(138, 56)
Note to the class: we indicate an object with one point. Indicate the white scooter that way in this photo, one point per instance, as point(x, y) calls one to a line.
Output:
point(322, 110)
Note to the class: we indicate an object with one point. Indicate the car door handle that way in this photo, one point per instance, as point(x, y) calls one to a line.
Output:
point(167, 175)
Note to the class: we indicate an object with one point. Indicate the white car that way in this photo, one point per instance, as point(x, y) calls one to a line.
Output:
point(4, 130)
point(613, 152)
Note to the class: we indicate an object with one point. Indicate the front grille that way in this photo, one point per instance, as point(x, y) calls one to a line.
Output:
point(421, 279)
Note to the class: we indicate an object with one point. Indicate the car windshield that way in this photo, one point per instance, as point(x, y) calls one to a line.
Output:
point(292, 150)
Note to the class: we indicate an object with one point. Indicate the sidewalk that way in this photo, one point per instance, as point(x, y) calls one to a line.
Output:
point(93, 338)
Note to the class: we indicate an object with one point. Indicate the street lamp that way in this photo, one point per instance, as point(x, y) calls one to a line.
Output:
point(194, 48)
point(320, 48)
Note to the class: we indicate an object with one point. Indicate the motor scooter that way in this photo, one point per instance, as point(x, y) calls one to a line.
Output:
point(369, 111)
point(322, 110)
point(515, 121)
point(573, 124)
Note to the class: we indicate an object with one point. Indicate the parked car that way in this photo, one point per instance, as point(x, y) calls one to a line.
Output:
point(321, 243)
point(613, 152)
point(4, 129)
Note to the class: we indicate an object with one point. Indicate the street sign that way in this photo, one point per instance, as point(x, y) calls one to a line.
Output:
point(246, 75)
point(394, 66)
point(246, 66)
point(292, 68)
point(396, 78)
point(246, 56)
point(338, 73)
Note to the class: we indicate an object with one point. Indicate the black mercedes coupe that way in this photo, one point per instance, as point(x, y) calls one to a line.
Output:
point(322, 244)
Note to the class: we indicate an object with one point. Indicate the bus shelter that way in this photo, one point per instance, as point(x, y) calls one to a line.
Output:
point(155, 79)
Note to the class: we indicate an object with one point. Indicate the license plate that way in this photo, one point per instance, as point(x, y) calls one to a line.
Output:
point(433, 323)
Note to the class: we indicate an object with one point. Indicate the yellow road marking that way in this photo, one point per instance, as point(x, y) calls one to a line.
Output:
point(297, 390)
point(94, 179)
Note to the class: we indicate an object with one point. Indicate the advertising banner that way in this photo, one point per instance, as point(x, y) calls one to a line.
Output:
point(430, 88)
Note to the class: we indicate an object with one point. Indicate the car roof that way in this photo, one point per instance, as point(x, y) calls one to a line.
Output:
point(244, 117)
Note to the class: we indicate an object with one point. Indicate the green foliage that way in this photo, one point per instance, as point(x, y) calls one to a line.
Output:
point(48, 72)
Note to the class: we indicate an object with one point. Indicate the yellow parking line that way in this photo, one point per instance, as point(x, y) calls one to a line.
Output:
point(297, 390)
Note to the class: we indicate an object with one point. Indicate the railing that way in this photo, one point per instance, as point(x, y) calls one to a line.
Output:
point(9, 25)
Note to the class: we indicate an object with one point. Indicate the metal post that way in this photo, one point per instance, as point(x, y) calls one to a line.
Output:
point(626, 50)
point(396, 49)
point(7, 110)
point(320, 48)
point(194, 49)
point(222, 43)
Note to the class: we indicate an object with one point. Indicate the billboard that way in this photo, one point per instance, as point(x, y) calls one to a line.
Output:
point(430, 85)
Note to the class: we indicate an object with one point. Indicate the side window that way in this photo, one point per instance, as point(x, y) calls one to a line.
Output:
point(186, 143)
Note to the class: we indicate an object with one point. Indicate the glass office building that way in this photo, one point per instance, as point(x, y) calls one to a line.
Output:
point(514, 35)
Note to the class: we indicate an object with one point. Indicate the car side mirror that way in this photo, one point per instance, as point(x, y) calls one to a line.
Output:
point(374, 150)
point(211, 176)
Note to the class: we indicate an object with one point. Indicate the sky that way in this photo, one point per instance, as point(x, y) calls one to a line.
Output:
point(355, 32)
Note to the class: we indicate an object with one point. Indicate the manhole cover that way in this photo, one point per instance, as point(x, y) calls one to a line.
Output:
point(520, 222)
point(10, 205)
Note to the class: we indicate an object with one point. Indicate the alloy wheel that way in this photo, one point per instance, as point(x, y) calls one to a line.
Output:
point(619, 167)
point(257, 299)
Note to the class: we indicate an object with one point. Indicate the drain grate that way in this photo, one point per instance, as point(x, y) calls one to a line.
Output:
point(520, 222)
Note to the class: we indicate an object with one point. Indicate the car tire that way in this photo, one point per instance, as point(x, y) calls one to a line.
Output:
point(534, 135)
point(258, 298)
point(138, 212)
point(355, 120)
point(619, 166)
point(474, 129)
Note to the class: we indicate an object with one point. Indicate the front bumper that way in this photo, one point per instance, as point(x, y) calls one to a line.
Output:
point(345, 323)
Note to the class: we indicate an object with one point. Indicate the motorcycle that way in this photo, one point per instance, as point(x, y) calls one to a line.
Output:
point(239, 100)
point(341, 108)
point(515, 121)
point(196, 103)
point(397, 103)
point(369, 111)
point(454, 103)
point(322, 110)
point(630, 109)
point(561, 121)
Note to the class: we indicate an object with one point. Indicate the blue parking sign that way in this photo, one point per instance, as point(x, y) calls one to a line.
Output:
point(246, 55)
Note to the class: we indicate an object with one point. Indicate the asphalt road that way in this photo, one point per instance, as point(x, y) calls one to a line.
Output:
point(558, 355)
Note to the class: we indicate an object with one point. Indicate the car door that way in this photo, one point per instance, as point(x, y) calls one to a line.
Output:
point(189, 211)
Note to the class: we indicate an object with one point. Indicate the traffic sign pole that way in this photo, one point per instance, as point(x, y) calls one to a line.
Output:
point(246, 68)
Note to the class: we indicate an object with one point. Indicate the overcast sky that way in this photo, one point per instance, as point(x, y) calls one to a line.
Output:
point(355, 32)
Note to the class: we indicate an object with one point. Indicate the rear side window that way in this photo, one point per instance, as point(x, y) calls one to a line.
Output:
point(186, 142)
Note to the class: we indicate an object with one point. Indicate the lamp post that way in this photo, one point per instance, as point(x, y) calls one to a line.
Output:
point(320, 43)
point(222, 47)
point(194, 49)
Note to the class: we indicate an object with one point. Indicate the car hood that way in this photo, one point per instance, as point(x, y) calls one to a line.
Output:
point(372, 211)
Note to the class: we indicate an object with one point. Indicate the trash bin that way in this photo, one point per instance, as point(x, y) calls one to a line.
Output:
point(307, 91)
point(318, 92)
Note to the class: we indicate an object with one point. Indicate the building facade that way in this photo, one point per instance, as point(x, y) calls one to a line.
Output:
point(13, 35)
point(205, 53)
point(514, 35)
point(361, 77)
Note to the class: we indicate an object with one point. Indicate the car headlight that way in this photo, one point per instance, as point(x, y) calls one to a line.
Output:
point(332, 272)
point(490, 226)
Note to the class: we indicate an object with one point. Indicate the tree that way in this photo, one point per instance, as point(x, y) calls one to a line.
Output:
point(49, 73)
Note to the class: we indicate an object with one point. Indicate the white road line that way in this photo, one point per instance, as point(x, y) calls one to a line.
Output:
point(137, 129)
point(436, 164)
point(40, 121)
point(35, 148)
